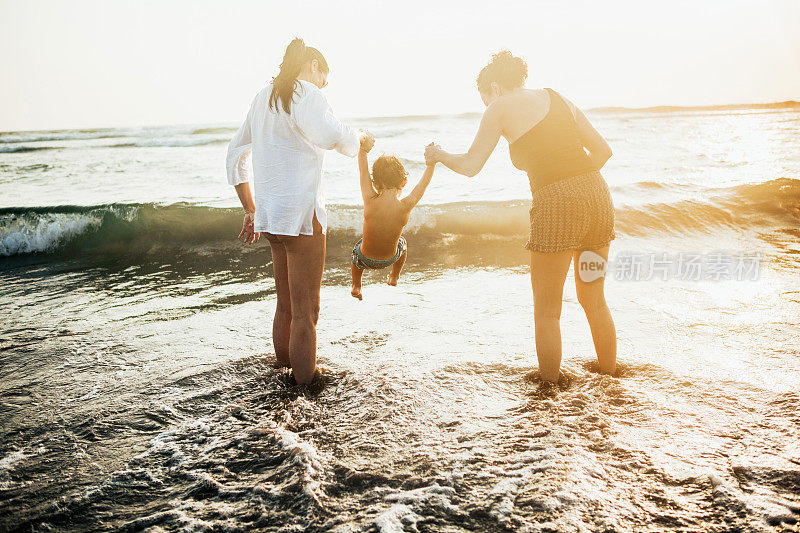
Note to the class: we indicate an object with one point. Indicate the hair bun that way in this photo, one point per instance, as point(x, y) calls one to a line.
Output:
point(506, 69)
point(504, 57)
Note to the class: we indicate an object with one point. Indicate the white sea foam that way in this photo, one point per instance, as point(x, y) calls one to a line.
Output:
point(174, 516)
point(7, 465)
point(752, 500)
point(304, 455)
point(393, 520)
point(505, 493)
point(7, 462)
point(405, 504)
point(179, 142)
point(164, 444)
point(423, 494)
point(43, 233)
point(33, 137)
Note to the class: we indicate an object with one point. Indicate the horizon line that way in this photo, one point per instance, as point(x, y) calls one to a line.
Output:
point(785, 104)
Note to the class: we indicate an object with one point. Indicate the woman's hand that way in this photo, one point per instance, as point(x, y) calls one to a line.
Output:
point(367, 140)
point(432, 154)
point(248, 234)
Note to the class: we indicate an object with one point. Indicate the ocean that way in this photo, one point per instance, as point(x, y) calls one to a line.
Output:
point(136, 384)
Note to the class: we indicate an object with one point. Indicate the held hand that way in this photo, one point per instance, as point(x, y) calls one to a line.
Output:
point(432, 153)
point(248, 233)
point(367, 141)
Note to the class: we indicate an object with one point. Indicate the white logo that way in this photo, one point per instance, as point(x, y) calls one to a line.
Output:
point(591, 266)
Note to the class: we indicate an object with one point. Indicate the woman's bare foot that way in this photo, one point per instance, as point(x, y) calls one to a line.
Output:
point(392, 280)
point(356, 293)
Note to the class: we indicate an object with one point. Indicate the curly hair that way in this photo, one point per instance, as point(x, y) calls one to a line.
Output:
point(388, 172)
point(506, 69)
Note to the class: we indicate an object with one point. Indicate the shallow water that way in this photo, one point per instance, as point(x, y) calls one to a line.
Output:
point(137, 390)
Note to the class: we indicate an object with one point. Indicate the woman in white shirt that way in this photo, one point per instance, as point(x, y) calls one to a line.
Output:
point(286, 133)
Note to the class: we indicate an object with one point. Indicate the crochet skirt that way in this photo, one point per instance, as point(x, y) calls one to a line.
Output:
point(574, 213)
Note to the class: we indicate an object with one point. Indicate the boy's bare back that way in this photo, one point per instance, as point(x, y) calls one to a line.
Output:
point(385, 216)
point(385, 213)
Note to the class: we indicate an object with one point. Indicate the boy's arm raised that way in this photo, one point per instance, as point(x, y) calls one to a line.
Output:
point(416, 195)
point(367, 190)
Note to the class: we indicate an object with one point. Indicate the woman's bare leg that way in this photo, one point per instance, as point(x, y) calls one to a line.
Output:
point(591, 296)
point(548, 272)
point(282, 323)
point(356, 274)
point(394, 275)
point(306, 261)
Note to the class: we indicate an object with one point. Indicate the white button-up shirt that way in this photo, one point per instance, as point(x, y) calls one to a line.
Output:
point(283, 153)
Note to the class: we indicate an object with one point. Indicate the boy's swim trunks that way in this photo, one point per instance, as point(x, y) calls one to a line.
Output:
point(361, 261)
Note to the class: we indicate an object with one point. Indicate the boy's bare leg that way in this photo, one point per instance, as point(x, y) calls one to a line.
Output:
point(394, 275)
point(356, 274)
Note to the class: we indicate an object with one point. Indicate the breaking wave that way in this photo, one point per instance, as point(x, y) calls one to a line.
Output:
point(79, 230)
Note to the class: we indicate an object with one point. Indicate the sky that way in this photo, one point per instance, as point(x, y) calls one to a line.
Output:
point(86, 63)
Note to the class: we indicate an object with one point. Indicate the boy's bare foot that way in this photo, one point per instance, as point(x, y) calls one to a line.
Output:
point(356, 293)
point(394, 273)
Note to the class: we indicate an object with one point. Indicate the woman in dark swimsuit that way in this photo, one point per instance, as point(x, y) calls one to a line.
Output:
point(571, 212)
